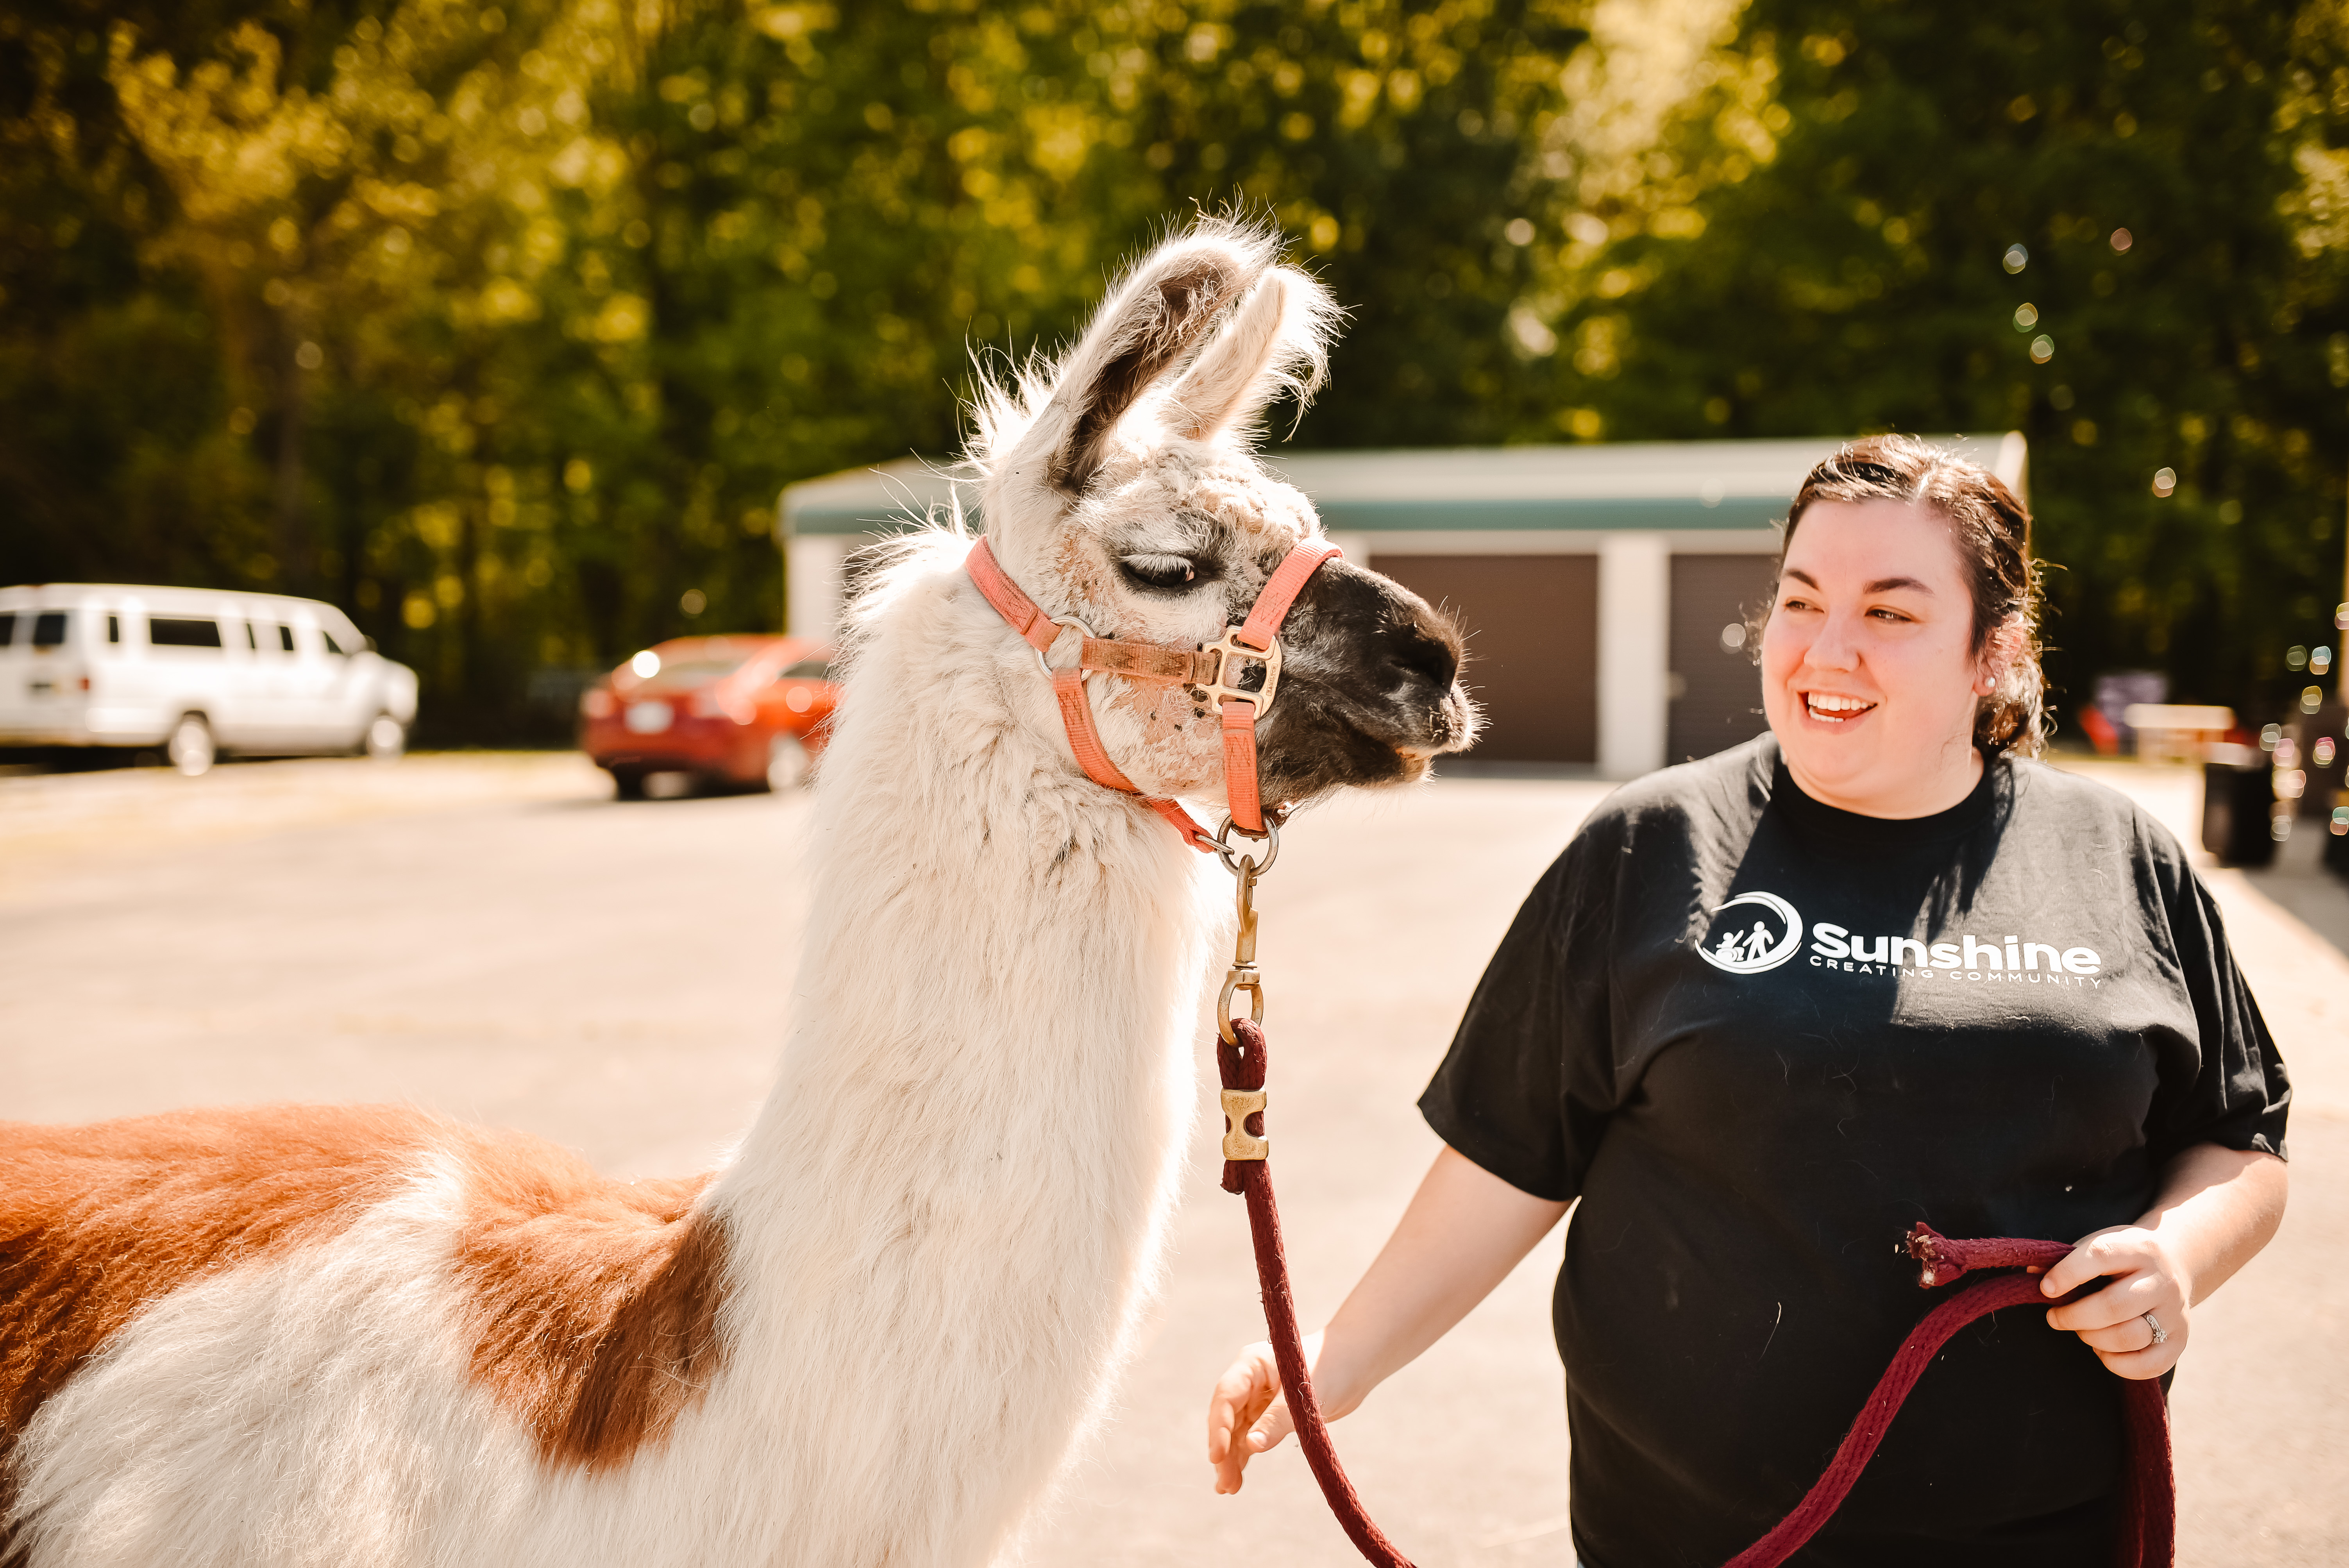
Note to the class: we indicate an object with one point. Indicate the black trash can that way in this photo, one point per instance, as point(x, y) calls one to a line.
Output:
point(2239, 806)
point(2319, 749)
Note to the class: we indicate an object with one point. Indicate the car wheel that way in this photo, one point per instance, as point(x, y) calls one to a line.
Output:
point(386, 738)
point(787, 763)
point(627, 783)
point(189, 746)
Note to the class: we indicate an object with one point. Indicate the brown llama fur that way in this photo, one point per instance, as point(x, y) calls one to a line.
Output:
point(591, 1304)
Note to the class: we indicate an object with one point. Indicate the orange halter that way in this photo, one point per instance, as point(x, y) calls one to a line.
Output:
point(1207, 670)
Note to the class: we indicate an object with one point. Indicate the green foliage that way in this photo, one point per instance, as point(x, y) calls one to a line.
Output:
point(503, 327)
point(1837, 265)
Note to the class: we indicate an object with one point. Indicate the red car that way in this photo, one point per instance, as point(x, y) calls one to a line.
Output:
point(726, 712)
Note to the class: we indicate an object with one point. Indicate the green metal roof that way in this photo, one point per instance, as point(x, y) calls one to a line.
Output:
point(1625, 486)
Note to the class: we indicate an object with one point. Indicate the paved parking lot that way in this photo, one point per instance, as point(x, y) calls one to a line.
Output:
point(491, 936)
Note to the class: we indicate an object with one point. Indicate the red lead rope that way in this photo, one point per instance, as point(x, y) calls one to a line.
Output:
point(1241, 1063)
point(2148, 1525)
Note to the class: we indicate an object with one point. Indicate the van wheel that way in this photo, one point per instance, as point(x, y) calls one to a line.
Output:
point(386, 738)
point(189, 746)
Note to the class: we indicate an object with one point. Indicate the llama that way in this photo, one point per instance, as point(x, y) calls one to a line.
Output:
point(370, 1336)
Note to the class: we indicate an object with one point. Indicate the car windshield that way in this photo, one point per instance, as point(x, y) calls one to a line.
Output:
point(807, 670)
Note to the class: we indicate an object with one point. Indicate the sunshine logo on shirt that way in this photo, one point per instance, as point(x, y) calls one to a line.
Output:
point(1757, 931)
point(2008, 957)
point(1749, 944)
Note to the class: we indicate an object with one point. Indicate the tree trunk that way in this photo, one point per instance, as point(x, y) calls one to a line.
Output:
point(292, 534)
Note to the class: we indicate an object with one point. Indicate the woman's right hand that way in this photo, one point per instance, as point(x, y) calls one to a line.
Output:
point(1464, 1230)
point(1246, 1414)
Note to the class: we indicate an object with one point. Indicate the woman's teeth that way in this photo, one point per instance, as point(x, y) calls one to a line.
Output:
point(1834, 710)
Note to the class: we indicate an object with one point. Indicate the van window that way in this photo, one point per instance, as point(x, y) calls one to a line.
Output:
point(285, 639)
point(49, 629)
point(252, 638)
point(332, 646)
point(7, 627)
point(181, 631)
point(807, 670)
point(114, 628)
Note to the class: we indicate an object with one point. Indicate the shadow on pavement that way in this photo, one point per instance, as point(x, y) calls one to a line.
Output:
point(2298, 882)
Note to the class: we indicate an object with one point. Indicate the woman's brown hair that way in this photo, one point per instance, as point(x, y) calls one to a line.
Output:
point(1991, 529)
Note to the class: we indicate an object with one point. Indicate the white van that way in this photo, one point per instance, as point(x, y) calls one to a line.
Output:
point(194, 671)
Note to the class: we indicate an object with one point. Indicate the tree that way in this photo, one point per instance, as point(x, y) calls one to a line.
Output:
point(505, 326)
point(2078, 222)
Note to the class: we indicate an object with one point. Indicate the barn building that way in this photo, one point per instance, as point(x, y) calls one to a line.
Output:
point(1603, 588)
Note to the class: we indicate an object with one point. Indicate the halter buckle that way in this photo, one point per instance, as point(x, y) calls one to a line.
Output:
point(1230, 648)
point(1081, 629)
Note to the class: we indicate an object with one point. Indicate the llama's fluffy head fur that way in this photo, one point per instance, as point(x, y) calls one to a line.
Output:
point(1120, 485)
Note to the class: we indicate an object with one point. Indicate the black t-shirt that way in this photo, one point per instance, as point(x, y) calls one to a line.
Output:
point(1756, 1037)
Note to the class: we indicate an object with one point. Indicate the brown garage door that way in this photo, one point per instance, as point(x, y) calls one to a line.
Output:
point(1533, 646)
point(1717, 698)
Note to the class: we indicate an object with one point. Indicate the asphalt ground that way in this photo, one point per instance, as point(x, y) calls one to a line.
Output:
point(490, 935)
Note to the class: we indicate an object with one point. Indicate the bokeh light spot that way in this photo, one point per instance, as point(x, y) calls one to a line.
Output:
point(2015, 259)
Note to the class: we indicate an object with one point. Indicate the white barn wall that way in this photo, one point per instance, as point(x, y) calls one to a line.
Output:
point(1635, 609)
point(812, 583)
point(1634, 505)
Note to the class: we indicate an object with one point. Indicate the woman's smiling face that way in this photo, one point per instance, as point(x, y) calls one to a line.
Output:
point(1868, 672)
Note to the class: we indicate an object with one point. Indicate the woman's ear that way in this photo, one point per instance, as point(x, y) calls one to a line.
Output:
point(2001, 649)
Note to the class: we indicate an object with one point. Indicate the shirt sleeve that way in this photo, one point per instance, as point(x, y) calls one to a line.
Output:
point(2232, 1091)
point(1524, 1090)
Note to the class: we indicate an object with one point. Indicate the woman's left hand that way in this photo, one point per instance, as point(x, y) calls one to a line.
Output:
point(2147, 1278)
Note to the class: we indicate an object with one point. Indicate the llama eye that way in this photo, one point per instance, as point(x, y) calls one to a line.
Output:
point(1166, 573)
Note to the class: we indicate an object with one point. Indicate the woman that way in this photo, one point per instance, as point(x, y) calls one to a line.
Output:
point(1770, 1007)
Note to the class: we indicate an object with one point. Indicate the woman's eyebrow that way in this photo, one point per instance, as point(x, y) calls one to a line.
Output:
point(1880, 585)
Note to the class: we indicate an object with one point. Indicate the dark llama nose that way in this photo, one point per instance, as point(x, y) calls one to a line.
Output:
point(1430, 653)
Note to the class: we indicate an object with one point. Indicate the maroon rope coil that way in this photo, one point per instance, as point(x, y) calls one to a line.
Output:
point(2146, 1535)
point(2147, 1527)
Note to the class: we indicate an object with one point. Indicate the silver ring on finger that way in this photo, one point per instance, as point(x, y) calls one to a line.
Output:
point(2160, 1334)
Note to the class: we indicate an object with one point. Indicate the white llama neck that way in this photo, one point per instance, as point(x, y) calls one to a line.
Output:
point(959, 1185)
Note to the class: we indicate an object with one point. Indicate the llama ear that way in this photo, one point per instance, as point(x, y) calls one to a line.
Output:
point(1277, 341)
point(1158, 314)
